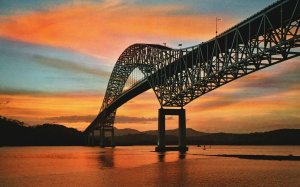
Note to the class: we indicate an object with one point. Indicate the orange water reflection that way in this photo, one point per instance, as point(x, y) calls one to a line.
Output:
point(129, 157)
point(140, 166)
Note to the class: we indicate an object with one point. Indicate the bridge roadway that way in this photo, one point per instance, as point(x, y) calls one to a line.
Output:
point(178, 76)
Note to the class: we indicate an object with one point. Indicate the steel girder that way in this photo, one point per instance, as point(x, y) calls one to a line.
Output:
point(272, 36)
point(178, 76)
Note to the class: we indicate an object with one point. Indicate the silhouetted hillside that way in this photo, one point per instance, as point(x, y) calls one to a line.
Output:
point(174, 132)
point(126, 131)
point(276, 137)
point(14, 133)
point(136, 139)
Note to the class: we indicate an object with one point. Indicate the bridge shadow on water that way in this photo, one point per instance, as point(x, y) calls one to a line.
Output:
point(219, 166)
point(172, 173)
point(163, 168)
point(116, 158)
point(143, 166)
point(106, 158)
point(162, 156)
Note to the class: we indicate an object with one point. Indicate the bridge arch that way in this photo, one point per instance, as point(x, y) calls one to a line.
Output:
point(146, 57)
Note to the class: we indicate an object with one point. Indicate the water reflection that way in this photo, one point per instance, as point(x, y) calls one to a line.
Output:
point(161, 157)
point(174, 173)
point(92, 166)
point(106, 158)
point(182, 155)
point(121, 158)
point(171, 157)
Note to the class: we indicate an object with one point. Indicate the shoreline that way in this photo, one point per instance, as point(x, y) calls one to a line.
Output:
point(261, 157)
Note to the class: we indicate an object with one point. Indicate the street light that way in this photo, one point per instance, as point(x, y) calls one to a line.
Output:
point(217, 19)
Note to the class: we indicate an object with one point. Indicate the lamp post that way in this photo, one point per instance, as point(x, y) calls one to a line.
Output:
point(217, 19)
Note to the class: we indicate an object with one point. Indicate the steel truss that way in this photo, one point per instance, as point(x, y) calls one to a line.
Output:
point(178, 76)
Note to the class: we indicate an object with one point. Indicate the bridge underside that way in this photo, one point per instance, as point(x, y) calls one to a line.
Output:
point(179, 76)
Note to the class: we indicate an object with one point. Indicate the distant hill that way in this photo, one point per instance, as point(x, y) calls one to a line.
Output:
point(174, 132)
point(276, 137)
point(15, 133)
point(126, 131)
point(136, 139)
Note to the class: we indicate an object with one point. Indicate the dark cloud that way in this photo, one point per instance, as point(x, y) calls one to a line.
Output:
point(250, 123)
point(128, 119)
point(71, 119)
point(4, 101)
point(15, 91)
point(90, 118)
point(69, 66)
point(283, 78)
point(270, 121)
point(223, 101)
point(284, 75)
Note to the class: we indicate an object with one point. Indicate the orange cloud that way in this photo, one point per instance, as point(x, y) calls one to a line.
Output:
point(101, 30)
point(33, 109)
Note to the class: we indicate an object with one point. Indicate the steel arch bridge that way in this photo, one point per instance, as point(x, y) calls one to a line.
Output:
point(178, 76)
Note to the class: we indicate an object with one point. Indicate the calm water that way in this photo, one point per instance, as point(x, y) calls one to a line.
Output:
point(139, 166)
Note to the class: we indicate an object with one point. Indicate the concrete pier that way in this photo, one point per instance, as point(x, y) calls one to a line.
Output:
point(91, 138)
point(161, 146)
point(161, 129)
point(102, 142)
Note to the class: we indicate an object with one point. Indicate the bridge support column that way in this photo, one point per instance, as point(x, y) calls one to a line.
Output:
point(112, 138)
point(161, 130)
point(91, 138)
point(161, 147)
point(102, 136)
point(182, 130)
point(102, 142)
point(88, 139)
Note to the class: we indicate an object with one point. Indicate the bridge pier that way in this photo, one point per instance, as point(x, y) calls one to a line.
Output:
point(90, 138)
point(161, 146)
point(104, 129)
point(161, 129)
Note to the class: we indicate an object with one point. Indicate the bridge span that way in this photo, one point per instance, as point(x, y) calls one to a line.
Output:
point(178, 76)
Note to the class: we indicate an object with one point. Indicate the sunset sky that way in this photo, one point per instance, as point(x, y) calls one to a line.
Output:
point(56, 57)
